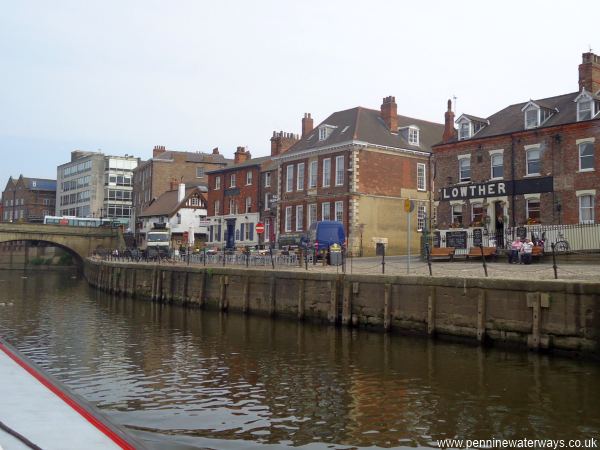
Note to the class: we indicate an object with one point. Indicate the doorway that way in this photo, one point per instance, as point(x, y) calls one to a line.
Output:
point(499, 215)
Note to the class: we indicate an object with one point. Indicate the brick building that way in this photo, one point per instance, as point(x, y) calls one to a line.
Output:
point(167, 169)
point(358, 166)
point(234, 201)
point(28, 199)
point(529, 163)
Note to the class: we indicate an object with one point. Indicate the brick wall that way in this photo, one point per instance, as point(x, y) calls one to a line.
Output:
point(239, 193)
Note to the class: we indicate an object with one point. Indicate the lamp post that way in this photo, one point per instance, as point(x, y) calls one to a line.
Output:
point(361, 228)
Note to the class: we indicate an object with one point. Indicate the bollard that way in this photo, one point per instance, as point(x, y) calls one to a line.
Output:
point(483, 259)
point(204, 256)
point(383, 260)
point(271, 254)
point(223, 256)
point(428, 257)
point(554, 260)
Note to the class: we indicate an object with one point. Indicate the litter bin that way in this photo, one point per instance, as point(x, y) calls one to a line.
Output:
point(335, 255)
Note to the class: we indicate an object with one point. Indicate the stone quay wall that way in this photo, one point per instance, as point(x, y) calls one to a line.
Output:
point(546, 314)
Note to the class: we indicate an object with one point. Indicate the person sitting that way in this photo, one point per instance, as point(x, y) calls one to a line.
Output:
point(526, 251)
point(515, 249)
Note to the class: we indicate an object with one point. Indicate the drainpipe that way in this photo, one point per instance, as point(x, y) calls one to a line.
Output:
point(512, 175)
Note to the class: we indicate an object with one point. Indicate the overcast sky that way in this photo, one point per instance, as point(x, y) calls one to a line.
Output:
point(123, 76)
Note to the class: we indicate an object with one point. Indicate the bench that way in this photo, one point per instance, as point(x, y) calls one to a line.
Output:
point(488, 252)
point(442, 253)
point(537, 251)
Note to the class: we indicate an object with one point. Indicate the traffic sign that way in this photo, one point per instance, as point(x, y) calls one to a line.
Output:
point(260, 228)
point(409, 205)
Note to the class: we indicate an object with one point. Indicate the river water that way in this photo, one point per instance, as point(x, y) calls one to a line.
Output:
point(186, 379)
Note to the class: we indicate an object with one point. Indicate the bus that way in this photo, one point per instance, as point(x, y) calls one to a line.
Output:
point(72, 221)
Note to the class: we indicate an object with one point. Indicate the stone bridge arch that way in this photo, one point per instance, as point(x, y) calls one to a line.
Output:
point(79, 241)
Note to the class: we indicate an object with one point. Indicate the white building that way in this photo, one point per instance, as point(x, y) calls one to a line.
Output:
point(93, 184)
point(184, 211)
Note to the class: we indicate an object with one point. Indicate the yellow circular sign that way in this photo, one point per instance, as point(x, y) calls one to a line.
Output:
point(409, 205)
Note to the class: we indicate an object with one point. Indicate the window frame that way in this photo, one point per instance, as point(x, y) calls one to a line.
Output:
point(288, 219)
point(328, 209)
point(461, 169)
point(267, 179)
point(326, 173)
point(592, 156)
point(313, 174)
point(413, 136)
point(217, 207)
point(528, 161)
point(591, 208)
point(453, 215)
point(531, 125)
point(339, 174)
point(421, 186)
point(299, 217)
point(338, 207)
point(421, 216)
point(590, 109)
point(312, 214)
point(232, 180)
point(461, 128)
point(300, 176)
point(248, 205)
point(492, 166)
point(249, 177)
point(289, 178)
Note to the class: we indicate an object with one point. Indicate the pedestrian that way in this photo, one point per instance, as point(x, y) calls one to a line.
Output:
point(515, 249)
point(526, 250)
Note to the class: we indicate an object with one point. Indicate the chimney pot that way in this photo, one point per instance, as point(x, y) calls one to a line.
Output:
point(307, 125)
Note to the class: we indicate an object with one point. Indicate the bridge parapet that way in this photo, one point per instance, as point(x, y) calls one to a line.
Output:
point(82, 241)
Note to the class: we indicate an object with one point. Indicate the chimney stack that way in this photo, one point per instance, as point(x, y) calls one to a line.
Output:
point(215, 151)
point(589, 73)
point(389, 113)
point(282, 141)
point(307, 125)
point(173, 184)
point(181, 192)
point(158, 150)
point(241, 155)
point(449, 130)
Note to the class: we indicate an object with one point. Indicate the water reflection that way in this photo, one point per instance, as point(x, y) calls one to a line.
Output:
point(188, 379)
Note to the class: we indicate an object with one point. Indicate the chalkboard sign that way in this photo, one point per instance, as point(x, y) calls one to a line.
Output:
point(436, 238)
point(521, 232)
point(477, 237)
point(456, 239)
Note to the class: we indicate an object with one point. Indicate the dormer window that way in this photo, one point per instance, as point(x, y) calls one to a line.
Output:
point(413, 135)
point(325, 131)
point(584, 110)
point(536, 115)
point(588, 106)
point(464, 130)
point(532, 118)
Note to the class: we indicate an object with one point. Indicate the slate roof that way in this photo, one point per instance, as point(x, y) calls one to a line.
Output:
point(511, 119)
point(366, 125)
point(167, 204)
point(248, 163)
point(36, 184)
point(195, 157)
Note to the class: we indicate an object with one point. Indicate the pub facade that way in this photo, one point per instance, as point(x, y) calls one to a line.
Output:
point(531, 163)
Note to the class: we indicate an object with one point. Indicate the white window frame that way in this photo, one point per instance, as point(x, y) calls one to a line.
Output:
point(288, 219)
point(452, 207)
point(326, 172)
point(299, 217)
point(313, 174)
point(528, 124)
point(339, 170)
point(462, 158)
point(312, 214)
point(217, 207)
point(267, 196)
point(217, 183)
point(200, 172)
point(338, 209)
point(496, 154)
point(462, 127)
point(421, 177)
point(267, 179)
point(580, 144)
point(421, 215)
point(580, 111)
point(289, 178)
point(249, 178)
point(248, 204)
point(591, 194)
point(532, 198)
point(267, 237)
point(232, 180)
point(300, 177)
point(474, 205)
point(325, 207)
point(413, 135)
point(529, 151)
point(232, 206)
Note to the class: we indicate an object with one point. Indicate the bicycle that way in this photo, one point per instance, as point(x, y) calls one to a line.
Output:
point(561, 245)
